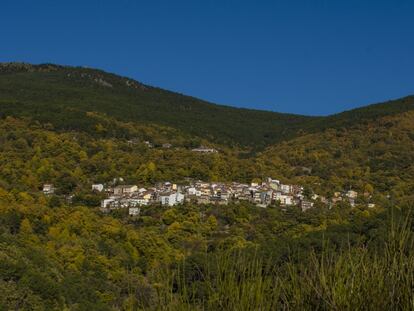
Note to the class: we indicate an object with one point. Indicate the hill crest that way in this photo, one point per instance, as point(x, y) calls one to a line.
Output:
point(62, 95)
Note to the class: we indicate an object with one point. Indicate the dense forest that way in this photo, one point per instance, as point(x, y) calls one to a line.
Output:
point(220, 258)
point(61, 95)
point(75, 126)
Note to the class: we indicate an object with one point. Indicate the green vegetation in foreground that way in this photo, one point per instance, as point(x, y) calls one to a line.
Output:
point(354, 278)
point(238, 257)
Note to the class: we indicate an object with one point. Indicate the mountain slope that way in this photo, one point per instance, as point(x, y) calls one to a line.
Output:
point(62, 95)
point(379, 152)
point(365, 115)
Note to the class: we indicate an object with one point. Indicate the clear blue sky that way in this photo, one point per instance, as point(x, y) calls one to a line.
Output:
point(309, 57)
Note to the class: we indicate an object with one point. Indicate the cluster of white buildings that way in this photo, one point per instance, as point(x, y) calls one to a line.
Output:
point(263, 194)
point(269, 192)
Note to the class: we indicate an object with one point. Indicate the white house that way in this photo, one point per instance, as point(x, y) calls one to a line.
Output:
point(48, 189)
point(107, 202)
point(276, 195)
point(352, 194)
point(97, 187)
point(171, 198)
point(134, 211)
point(194, 191)
point(130, 189)
point(283, 198)
point(286, 200)
point(141, 201)
point(204, 150)
point(285, 188)
point(116, 202)
point(133, 202)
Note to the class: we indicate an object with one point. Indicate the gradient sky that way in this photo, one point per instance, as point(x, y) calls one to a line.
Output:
point(309, 57)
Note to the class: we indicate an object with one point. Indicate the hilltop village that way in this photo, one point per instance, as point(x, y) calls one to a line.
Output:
point(264, 194)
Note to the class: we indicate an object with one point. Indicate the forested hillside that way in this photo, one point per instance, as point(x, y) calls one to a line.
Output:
point(234, 257)
point(62, 95)
point(73, 127)
point(378, 156)
point(32, 154)
point(378, 153)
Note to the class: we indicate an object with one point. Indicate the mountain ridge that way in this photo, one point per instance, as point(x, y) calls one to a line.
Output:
point(46, 91)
